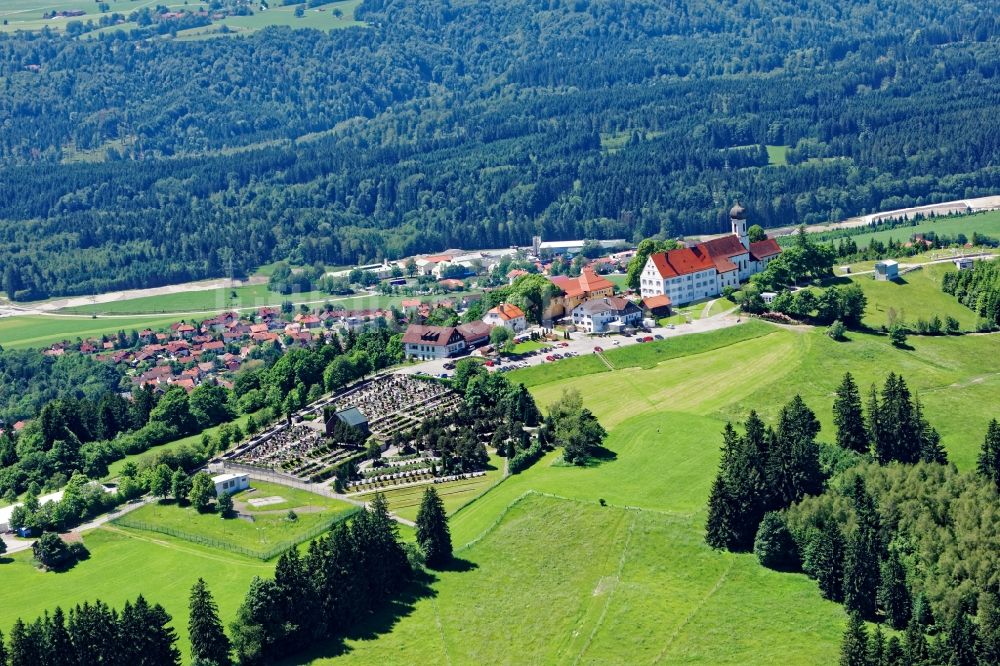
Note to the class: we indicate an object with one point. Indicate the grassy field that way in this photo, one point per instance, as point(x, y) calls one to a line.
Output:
point(777, 155)
point(250, 297)
point(985, 223)
point(269, 528)
point(44, 330)
point(123, 564)
point(530, 346)
point(916, 295)
point(27, 15)
point(544, 567)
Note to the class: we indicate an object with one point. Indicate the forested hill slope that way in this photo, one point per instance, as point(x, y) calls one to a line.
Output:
point(480, 124)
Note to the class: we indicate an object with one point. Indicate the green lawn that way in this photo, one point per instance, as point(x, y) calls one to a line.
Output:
point(777, 155)
point(44, 330)
point(530, 346)
point(124, 564)
point(916, 295)
point(985, 223)
point(270, 527)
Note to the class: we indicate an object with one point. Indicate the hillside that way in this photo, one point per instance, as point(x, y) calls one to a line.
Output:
point(544, 566)
point(143, 159)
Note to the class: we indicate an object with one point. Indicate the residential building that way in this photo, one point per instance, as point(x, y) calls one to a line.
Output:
point(704, 270)
point(577, 290)
point(601, 315)
point(508, 316)
point(427, 342)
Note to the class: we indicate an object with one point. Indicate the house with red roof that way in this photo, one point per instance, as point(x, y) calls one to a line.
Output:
point(426, 342)
point(508, 316)
point(576, 290)
point(704, 270)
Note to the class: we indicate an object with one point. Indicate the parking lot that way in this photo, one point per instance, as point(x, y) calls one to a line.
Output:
point(578, 344)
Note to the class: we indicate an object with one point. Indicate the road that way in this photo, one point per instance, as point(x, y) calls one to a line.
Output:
point(15, 545)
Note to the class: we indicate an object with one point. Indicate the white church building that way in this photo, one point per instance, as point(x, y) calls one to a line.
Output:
point(704, 270)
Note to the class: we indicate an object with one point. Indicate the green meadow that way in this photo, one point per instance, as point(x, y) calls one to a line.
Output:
point(548, 573)
point(27, 15)
point(985, 223)
point(916, 295)
point(44, 330)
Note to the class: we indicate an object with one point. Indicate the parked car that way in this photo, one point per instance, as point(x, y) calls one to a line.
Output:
point(598, 349)
point(648, 338)
point(658, 337)
point(489, 364)
point(550, 357)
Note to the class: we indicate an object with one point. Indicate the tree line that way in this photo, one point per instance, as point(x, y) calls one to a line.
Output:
point(877, 518)
point(621, 136)
point(344, 576)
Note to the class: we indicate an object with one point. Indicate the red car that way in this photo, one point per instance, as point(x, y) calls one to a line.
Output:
point(564, 344)
point(598, 349)
point(489, 364)
point(648, 338)
point(550, 358)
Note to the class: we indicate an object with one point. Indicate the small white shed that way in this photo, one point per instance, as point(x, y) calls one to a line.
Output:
point(230, 483)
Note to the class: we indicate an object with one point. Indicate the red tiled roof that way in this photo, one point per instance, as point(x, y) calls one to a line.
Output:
point(764, 249)
point(588, 283)
point(656, 302)
point(506, 311)
point(682, 262)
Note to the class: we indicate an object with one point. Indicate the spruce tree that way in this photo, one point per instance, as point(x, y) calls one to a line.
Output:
point(894, 654)
point(827, 561)
point(961, 642)
point(297, 598)
point(989, 628)
point(209, 643)
point(854, 647)
point(27, 645)
point(433, 535)
point(58, 645)
point(862, 556)
point(774, 546)
point(722, 513)
point(915, 649)
point(874, 425)
point(793, 469)
point(3, 651)
point(876, 647)
point(988, 463)
point(257, 630)
point(931, 449)
point(893, 592)
point(145, 636)
point(849, 418)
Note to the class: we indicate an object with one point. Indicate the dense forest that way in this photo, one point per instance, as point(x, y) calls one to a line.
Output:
point(479, 124)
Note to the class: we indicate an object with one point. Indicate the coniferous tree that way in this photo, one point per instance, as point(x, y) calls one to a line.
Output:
point(989, 628)
point(297, 598)
point(257, 630)
point(894, 654)
point(94, 632)
point(854, 647)
point(922, 613)
point(827, 561)
point(58, 644)
point(915, 647)
point(931, 449)
point(988, 462)
point(3, 651)
point(774, 546)
point(27, 644)
point(792, 456)
point(862, 556)
point(893, 592)
point(722, 515)
point(849, 418)
point(876, 647)
point(433, 535)
point(209, 644)
point(875, 427)
point(961, 642)
point(145, 636)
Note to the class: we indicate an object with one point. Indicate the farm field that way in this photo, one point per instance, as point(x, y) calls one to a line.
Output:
point(269, 528)
point(27, 15)
point(777, 155)
point(916, 295)
point(247, 298)
point(985, 223)
point(43, 330)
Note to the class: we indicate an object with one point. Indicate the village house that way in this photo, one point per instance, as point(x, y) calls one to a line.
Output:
point(601, 315)
point(506, 315)
point(427, 342)
point(588, 286)
point(704, 270)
